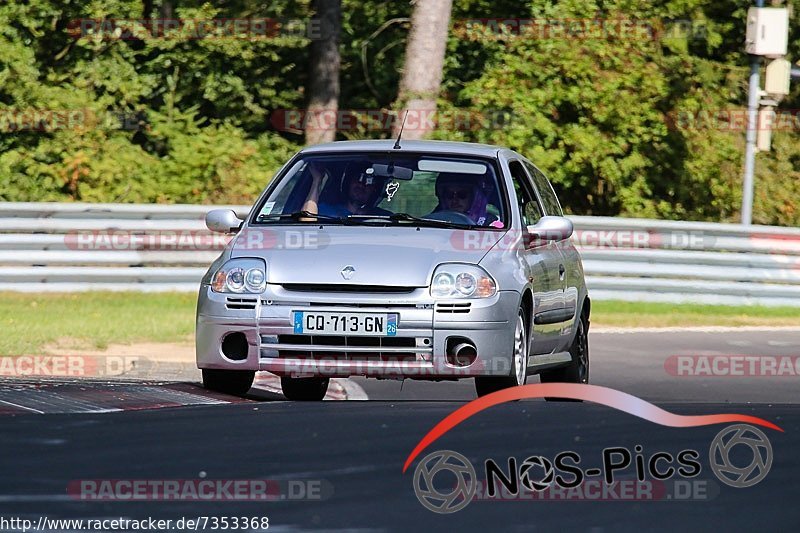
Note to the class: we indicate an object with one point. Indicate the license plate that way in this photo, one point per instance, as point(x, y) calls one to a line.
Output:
point(363, 324)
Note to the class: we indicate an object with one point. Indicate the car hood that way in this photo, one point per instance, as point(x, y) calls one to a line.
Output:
point(388, 256)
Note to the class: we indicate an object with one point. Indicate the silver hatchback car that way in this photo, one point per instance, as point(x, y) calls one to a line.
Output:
point(396, 260)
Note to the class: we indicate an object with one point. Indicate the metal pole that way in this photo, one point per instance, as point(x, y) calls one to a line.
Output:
point(750, 151)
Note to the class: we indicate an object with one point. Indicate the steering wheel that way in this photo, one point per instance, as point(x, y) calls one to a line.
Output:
point(451, 216)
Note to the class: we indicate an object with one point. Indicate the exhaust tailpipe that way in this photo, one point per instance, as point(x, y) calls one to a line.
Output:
point(465, 354)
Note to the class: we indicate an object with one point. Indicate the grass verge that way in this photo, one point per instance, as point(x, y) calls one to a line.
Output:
point(92, 320)
point(647, 315)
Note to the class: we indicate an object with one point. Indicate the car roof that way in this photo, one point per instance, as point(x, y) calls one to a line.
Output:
point(435, 147)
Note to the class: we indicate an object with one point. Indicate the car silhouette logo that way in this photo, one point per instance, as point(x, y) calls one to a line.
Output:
point(348, 271)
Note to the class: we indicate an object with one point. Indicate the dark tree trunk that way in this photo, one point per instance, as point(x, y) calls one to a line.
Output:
point(323, 85)
point(167, 12)
point(424, 63)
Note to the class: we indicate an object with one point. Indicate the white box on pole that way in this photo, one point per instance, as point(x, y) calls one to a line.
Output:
point(766, 120)
point(779, 73)
point(767, 31)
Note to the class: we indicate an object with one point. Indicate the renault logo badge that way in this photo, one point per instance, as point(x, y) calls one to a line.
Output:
point(348, 271)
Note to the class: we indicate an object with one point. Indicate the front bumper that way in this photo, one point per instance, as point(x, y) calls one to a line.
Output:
point(419, 350)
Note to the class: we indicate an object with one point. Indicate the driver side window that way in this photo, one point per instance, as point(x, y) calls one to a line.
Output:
point(529, 208)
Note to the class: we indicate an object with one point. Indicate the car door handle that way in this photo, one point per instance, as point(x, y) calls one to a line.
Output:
point(561, 272)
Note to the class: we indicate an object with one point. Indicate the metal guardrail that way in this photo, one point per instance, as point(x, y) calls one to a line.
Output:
point(79, 247)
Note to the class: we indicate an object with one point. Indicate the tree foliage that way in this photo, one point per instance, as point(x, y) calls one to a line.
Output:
point(623, 125)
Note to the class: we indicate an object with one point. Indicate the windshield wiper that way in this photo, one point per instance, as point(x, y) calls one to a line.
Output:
point(405, 217)
point(299, 216)
point(307, 216)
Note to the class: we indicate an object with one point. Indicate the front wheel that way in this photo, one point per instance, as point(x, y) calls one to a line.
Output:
point(304, 389)
point(519, 372)
point(235, 382)
point(577, 371)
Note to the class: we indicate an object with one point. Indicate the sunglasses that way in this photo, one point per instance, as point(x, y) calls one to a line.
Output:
point(457, 194)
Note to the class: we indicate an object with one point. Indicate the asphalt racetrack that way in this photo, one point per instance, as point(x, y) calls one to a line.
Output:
point(338, 465)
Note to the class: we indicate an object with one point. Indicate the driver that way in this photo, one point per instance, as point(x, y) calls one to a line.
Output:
point(463, 194)
point(360, 190)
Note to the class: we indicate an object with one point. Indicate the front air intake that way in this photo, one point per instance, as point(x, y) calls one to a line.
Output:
point(234, 346)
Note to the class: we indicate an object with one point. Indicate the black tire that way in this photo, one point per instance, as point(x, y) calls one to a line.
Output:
point(304, 389)
point(519, 374)
point(577, 371)
point(235, 382)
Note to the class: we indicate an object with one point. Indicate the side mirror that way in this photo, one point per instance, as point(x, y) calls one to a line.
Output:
point(223, 221)
point(550, 229)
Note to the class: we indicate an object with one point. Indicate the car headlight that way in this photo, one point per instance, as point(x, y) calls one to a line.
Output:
point(462, 281)
point(241, 276)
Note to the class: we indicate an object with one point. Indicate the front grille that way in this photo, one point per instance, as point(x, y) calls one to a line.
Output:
point(344, 340)
point(240, 303)
point(342, 343)
point(462, 307)
point(341, 288)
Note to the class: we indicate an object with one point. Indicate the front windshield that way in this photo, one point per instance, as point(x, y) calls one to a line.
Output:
point(370, 188)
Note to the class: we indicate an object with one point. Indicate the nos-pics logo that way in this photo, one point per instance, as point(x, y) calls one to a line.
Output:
point(445, 481)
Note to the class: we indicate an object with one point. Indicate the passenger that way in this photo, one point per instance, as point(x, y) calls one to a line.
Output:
point(360, 191)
